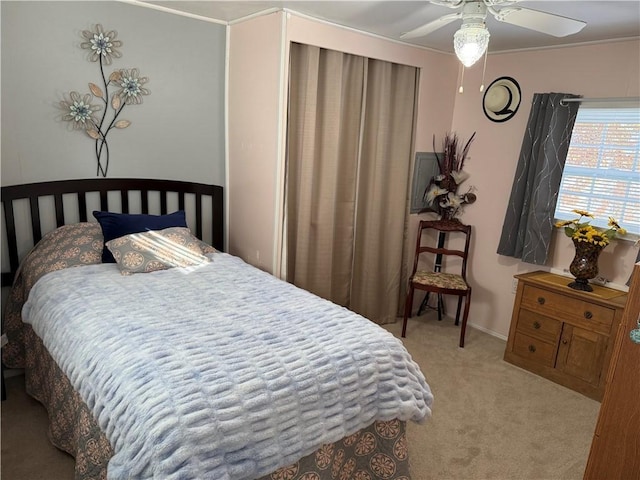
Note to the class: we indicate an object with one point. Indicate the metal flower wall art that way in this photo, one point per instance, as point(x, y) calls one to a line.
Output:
point(97, 113)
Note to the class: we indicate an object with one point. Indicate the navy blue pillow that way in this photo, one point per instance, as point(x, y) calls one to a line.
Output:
point(116, 225)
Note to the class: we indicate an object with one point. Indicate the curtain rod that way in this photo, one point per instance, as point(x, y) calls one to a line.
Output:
point(564, 101)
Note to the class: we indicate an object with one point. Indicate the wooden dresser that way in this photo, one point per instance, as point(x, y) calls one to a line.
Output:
point(563, 334)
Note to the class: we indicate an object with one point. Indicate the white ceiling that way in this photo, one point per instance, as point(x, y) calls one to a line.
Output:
point(606, 19)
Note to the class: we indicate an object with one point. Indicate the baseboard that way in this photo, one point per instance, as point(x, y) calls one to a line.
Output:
point(482, 329)
point(486, 330)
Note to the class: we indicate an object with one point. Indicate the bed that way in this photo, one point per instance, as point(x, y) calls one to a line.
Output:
point(192, 363)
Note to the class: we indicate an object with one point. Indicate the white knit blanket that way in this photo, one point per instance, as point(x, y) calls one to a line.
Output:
point(220, 373)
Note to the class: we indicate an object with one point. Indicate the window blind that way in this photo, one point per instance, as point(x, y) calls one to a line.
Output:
point(602, 171)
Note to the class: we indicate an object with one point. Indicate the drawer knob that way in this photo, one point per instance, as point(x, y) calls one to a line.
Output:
point(565, 341)
point(588, 315)
point(532, 348)
point(536, 325)
point(541, 300)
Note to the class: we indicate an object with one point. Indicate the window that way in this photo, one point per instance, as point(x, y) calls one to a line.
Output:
point(602, 171)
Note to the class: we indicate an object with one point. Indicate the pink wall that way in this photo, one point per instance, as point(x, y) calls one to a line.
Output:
point(257, 89)
point(604, 70)
point(254, 86)
point(258, 49)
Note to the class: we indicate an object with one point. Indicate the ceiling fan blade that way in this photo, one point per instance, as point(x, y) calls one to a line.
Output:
point(431, 26)
point(544, 22)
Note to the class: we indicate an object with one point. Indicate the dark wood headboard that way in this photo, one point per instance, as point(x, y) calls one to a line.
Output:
point(80, 189)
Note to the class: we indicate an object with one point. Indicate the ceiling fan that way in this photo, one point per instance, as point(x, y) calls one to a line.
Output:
point(472, 39)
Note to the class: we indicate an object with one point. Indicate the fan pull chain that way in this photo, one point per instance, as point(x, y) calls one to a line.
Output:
point(461, 89)
point(484, 69)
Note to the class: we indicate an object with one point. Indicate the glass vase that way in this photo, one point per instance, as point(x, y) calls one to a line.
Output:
point(584, 266)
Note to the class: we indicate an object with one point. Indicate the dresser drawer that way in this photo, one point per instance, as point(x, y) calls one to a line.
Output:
point(535, 325)
point(535, 350)
point(578, 312)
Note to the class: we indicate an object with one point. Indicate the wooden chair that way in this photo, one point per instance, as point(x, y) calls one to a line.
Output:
point(438, 280)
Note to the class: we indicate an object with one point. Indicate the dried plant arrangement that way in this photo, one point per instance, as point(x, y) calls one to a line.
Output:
point(442, 191)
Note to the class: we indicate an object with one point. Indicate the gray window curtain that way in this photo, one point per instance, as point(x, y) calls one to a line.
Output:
point(528, 223)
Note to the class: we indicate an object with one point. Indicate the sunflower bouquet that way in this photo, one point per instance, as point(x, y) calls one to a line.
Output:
point(582, 231)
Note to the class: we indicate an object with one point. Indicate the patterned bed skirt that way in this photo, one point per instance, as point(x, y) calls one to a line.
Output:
point(376, 452)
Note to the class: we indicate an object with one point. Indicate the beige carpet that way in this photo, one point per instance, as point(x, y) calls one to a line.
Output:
point(491, 420)
point(26, 451)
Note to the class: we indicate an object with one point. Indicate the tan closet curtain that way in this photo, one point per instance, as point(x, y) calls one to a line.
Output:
point(381, 217)
point(325, 101)
point(348, 159)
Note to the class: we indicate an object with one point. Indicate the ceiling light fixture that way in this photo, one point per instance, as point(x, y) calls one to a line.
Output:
point(470, 42)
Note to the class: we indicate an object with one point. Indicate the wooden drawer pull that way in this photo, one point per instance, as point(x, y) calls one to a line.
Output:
point(532, 348)
point(536, 325)
point(541, 300)
point(588, 315)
